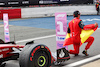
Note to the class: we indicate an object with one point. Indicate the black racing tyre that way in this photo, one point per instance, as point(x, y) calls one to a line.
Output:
point(36, 55)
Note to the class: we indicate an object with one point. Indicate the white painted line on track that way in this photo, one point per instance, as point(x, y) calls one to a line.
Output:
point(83, 61)
point(37, 38)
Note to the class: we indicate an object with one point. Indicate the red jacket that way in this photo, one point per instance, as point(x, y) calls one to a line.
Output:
point(75, 29)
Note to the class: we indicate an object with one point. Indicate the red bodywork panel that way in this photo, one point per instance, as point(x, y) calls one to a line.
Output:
point(7, 48)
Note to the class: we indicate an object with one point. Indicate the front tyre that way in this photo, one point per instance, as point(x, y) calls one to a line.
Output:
point(36, 55)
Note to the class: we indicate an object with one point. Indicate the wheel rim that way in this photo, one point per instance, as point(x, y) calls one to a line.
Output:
point(41, 61)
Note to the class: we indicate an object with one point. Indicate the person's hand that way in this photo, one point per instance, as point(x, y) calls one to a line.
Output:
point(96, 24)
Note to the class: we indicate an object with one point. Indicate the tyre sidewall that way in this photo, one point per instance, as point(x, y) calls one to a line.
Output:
point(27, 57)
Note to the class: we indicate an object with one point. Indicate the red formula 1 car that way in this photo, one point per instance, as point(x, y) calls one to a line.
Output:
point(9, 51)
point(31, 55)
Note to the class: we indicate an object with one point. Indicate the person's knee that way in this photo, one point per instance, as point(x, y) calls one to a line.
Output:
point(92, 38)
point(74, 51)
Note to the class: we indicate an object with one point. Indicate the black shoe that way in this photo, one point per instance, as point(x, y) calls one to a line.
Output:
point(76, 54)
point(85, 53)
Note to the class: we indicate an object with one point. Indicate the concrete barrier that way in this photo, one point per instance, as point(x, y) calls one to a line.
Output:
point(50, 11)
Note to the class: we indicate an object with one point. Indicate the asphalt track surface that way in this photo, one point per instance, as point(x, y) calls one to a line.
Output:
point(42, 30)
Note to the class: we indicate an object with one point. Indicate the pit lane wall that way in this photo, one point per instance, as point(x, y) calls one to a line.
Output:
point(12, 13)
point(48, 11)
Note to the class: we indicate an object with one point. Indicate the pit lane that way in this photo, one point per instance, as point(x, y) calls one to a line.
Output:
point(25, 32)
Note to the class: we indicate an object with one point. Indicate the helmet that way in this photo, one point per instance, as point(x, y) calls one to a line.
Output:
point(76, 13)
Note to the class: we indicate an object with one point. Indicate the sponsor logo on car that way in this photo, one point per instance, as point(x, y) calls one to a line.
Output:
point(5, 49)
